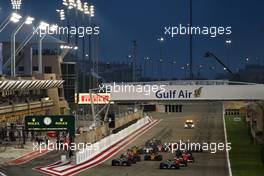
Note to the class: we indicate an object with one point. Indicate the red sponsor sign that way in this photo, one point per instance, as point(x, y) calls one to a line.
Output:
point(100, 98)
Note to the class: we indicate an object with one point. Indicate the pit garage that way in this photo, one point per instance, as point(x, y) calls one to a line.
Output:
point(184, 106)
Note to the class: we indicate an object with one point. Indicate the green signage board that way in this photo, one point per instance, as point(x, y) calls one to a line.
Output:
point(51, 123)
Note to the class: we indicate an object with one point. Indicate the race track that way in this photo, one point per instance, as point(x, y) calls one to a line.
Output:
point(209, 128)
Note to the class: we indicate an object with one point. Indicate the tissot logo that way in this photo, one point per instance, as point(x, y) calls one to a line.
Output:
point(179, 94)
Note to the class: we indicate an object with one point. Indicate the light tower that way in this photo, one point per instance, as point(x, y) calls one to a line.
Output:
point(16, 4)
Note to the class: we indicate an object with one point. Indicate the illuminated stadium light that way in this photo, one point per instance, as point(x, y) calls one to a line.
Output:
point(69, 47)
point(161, 39)
point(16, 4)
point(86, 8)
point(75, 48)
point(79, 5)
point(228, 41)
point(29, 20)
point(89, 10)
point(72, 4)
point(69, 3)
point(92, 11)
point(61, 13)
point(15, 18)
point(65, 3)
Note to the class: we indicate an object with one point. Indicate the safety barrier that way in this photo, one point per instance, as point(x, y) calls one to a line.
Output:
point(103, 130)
point(99, 146)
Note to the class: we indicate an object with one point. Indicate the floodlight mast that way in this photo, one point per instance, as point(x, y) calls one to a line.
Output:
point(16, 18)
point(52, 28)
point(13, 17)
point(25, 42)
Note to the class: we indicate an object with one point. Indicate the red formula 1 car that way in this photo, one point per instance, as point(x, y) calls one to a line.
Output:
point(181, 160)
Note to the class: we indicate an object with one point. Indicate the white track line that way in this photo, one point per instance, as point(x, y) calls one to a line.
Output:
point(227, 152)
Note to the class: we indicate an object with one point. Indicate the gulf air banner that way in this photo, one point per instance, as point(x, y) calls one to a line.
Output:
point(190, 92)
point(97, 98)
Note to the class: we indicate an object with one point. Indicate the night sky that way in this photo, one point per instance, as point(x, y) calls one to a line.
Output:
point(121, 21)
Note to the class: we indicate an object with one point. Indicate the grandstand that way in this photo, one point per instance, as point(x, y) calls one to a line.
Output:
point(30, 96)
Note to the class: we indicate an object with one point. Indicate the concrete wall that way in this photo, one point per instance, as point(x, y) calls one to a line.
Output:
point(128, 118)
point(52, 61)
point(93, 135)
point(103, 130)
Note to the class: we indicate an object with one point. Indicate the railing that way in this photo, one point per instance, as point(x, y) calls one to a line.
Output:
point(176, 82)
point(25, 106)
point(97, 147)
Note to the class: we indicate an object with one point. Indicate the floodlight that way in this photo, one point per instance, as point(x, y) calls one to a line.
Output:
point(16, 4)
point(15, 17)
point(29, 20)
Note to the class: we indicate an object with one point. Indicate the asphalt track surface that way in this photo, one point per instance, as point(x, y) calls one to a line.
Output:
point(209, 128)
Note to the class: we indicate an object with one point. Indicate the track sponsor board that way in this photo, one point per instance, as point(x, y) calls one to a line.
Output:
point(99, 98)
point(194, 92)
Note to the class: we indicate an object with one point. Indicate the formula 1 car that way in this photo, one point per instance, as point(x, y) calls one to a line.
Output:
point(153, 143)
point(153, 157)
point(189, 124)
point(121, 162)
point(169, 164)
point(145, 150)
point(134, 155)
point(188, 155)
point(178, 153)
point(185, 156)
point(183, 162)
point(135, 150)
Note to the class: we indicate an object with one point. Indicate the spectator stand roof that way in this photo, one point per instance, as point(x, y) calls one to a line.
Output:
point(25, 85)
